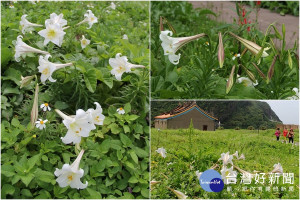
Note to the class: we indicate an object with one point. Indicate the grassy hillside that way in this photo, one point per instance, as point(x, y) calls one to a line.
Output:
point(199, 151)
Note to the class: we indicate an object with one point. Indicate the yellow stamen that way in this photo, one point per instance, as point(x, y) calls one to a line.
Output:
point(46, 104)
point(45, 71)
point(34, 136)
point(92, 18)
point(235, 55)
point(84, 42)
point(51, 34)
point(70, 177)
point(120, 69)
point(41, 122)
point(121, 108)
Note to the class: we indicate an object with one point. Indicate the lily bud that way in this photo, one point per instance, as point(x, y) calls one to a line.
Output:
point(221, 56)
point(254, 48)
point(271, 69)
point(35, 107)
point(259, 71)
point(290, 61)
point(26, 80)
point(179, 194)
point(230, 80)
point(250, 74)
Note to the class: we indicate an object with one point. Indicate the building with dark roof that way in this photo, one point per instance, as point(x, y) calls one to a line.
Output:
point(181, 116)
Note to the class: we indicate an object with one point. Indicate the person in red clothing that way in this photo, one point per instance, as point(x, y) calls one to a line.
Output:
point(277, 133)
point(285, 132)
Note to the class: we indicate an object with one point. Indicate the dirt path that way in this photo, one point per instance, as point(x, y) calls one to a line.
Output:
point(226, 13)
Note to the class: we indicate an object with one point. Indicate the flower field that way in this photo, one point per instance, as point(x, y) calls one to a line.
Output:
point(74, 100)
point(193, 56)
point(190, 152)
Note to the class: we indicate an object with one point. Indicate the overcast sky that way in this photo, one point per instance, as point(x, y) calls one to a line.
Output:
point(287, 111)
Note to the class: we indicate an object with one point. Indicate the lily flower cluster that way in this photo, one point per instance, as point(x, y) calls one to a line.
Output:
point(81, 124)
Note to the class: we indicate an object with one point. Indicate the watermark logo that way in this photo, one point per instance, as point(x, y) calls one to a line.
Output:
point(211, 181)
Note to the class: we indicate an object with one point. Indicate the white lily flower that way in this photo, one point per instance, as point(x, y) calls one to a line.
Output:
point(296, 96)
point(277, 168)
point(53, 33)
point(198, 174)
point(227, 172)
point(56, 19)
point(78, 126)
point(26, 25)
point(246, 82)
point(47, 68)
point(113, 6)
point(41, 124)
point(121, 111)
point(90, 18)
point(32, 1)
point(11, 6)
point(179, 194)
point(236, 154)
point(45, 107)
point(97, 115)
point(125, 37)
point(84, 42)
point(152, 183)
point(162, 152)
point(21, 48)
point(242, 157)
point(170, 163)
point(237, 55)
point(120, 65)
point(226, 158)
point(172, 44)
point(70, 175)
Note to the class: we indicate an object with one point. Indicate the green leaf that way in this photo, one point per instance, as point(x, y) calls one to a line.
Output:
point(11, 91)
point(133, 179)
point(134, 157)
point(61, 105)
point(172, 77)
point(125, 140)
point(15, 122)
point(7, 189)
point(94, 194)
point(140, 152)
point(32, 161)
point(44, 158)
point(127, 108)
point(138, 128)
point(44, 176)
point(13, 75)
point(27, 179)
point(145, 192)
point(90, 79)
point(126, 129)
point(129, 164)
point(115, 129)
point(26, 193)
point(7, 170)
point(132, 117)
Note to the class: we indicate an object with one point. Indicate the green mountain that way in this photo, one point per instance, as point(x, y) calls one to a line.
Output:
point(230, 113)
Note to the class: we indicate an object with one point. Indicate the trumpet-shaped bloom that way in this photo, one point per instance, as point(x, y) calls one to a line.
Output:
point(121, 111)
point(277, 168)
point(236, 154)
point(78, 126)
point(226, 158)
point(26, 80)
point(26, 25)
point(246, 82)
point(56, 19)
point(41, 124)
point(71, 174)
point(152, 183)
point(120, 65)
point(97, 115)
point(90, 18)
point(84, 42)
point(125, 37)
point(47, 68)
point(179, 194)
point(22, 48)
point(162, 152)
point(53, 33)
point(45, 107)
point(172, 44)
point(198, 174)
point(227, 173)
point(242, 157)
point(113, 6)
